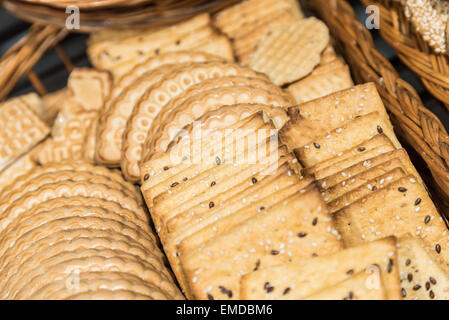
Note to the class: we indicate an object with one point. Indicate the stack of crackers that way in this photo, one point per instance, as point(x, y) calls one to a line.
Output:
point(266, 172)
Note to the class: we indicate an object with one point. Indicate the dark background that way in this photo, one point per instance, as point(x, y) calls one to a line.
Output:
point(54, 75)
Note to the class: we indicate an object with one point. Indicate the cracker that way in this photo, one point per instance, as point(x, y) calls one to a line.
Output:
point(365, 189)
point(262, 241)
point(52, 104)
point(33, 102)
point(67, 137)
point(151, 103)
point(21, 135)
point(90, 88)
point(90, 141)
point(206, 85)
point(21, 166)
point(402, 207)
point(363, 166)
point(354, 288)
point(217, 45)
point(161, 166)
point(344, 138)
point(303, 277)
point(328, 56)
point(91, 283)
point(113, 121)
point(376, 145)
point(422, 277)
point(86, 260)
point(196, 190)
point(104, 294)
point(352, 183)
point(210, 100)
point(257, 187)
point(107, 55)
point(316, 118)
point(320, 85)
point(296, 48)
point(68, 189)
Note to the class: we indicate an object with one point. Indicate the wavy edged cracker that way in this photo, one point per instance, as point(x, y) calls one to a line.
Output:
point(162, 165)
point(21, 166)
point(319, 85)
point(113, 121)
point(153, 63)
point(91, 283)
point(268, 239)
point(365, 189)
point(402, 207)
point(90, 141)
point(14, 194)
point(366, 165)
point(90, 88)
point(354, 288)
point(93, 240)
point(104, 294)
point(351, 134)
point(21, 135)
point(296, 48)
point(231, 81)
point(69, 189)
point(86, 260)
point(367, 149)
point(303, 277)
point(150, 105)
point(422, 276)
point(67, 137)
point(354, 182)
point(108, 54)
point(211, 100)
point(245, 193)
point(226, 175)
point(318, 117)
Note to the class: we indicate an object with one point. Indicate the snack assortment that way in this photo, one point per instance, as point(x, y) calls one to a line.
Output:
point(229, 156)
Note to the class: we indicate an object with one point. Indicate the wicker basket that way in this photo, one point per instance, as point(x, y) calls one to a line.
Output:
point(414, 123)
point(412, 49)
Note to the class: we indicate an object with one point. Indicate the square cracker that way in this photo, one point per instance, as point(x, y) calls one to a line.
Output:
point(362, 178)
point(315, 118)
point(268, 239)
point(402, 207)
point(363, 166)
point(322, 84)
point(365, 189)
point(303, 277)
point(354, 288)
point(370, 148)
point(351, 134)
point(422, 277)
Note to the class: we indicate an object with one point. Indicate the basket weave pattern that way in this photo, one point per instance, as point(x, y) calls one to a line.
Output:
point(412, 49)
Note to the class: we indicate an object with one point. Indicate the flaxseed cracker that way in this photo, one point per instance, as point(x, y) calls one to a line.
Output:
point(210, 100)
point(161, 167)
point(349, 135)
point(154, 100)
point(351, 183)
point(291, 52)
point(304, 277)
point(21, 135)
point(86, 260)
point(97, 282)
point(265, 241)
point(365, 165)
point(318, 117)
point(402, 207)
point(365, 189)
point(354, 288)
point(422, 276)
point(316, 86)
